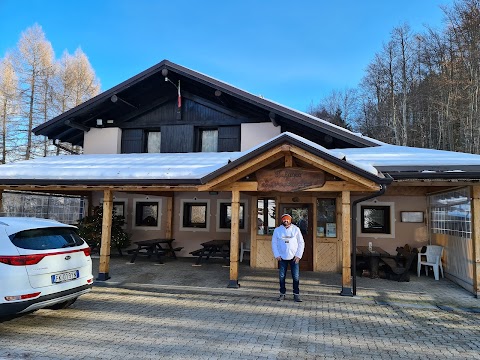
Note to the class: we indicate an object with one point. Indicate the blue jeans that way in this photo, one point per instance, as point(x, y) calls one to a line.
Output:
point(295, 269)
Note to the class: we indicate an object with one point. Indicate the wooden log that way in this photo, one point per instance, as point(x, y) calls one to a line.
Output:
point(347, 246)
point(104, 266)
point(234, 239)
point(169, 225)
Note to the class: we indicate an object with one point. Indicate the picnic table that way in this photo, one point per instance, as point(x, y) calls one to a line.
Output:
point(213, 249)
point(154, 246)
point(373, 256)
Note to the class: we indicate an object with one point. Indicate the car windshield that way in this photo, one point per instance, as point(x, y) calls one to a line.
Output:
point(47, 238)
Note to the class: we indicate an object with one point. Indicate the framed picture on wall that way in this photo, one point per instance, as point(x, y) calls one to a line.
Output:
point(412, 216)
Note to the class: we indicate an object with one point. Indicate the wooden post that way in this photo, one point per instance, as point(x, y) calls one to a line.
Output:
point(253, 231)
point(234, 240)
point(476, 239)
point(169, 226)
point(347, 245)
point(106, 236)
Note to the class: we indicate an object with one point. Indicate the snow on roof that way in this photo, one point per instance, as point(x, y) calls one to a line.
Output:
point(393, 155)
point(194, 166)
point(118, 166)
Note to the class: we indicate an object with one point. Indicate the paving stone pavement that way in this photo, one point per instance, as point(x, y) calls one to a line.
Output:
point(176, 311)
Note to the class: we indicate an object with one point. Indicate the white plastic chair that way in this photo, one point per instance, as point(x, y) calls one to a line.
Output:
point(244, 247)
point(432, 257)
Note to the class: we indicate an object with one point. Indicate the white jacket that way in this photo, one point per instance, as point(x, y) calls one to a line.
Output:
point(287, 242)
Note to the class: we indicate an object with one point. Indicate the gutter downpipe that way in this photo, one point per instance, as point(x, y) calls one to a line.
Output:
point(380, 192)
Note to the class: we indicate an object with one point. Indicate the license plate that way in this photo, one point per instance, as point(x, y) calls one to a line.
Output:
point(66, 276)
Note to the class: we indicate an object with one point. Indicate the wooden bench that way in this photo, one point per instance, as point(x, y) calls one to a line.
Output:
point(154, 246)
point(219, 249)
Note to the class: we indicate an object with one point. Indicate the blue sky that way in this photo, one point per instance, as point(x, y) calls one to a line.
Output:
point(292, 52)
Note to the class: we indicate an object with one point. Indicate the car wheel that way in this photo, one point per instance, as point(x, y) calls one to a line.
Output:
point(62, 305)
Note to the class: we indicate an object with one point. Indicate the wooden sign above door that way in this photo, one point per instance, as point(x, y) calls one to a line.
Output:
point(289, 179)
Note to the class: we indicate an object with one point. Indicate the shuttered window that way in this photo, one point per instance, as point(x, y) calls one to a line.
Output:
point(209, 140)
point(153, 141)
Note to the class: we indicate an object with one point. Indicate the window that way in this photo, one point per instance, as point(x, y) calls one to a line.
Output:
point(47, 239)
point(195, 215)
point(153, 141)
point(266, 216)
point(146, 214)
point(326, 218)
point(119, 208)
point(375, 219)
point(451, 213)
point(208, 140)
point(226, 216)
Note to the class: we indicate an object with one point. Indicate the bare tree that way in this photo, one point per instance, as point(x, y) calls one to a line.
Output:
point(8, 103)
point(75, 82)
point(34, 60)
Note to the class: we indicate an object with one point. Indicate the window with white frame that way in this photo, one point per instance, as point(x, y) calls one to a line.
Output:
point(376, 219)
point(147, 213)
point(194, 215)
point(224, 215)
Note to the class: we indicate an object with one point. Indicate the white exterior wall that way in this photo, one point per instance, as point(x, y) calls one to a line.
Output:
point(103, 141)
point(256, 133)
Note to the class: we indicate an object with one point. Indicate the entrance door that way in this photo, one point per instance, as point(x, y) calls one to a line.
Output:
point(301, 216)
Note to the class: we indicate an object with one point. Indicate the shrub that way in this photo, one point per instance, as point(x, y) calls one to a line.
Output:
point(90, 229)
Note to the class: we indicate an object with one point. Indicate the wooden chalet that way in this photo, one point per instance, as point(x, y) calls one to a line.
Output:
point(209, 161)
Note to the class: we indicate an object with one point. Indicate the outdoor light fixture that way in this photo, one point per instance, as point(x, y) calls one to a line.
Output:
point(99, 122)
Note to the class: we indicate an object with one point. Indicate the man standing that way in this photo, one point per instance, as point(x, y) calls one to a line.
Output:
point(287, 247)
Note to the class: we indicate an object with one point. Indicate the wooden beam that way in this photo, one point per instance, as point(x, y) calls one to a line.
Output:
point(288, 160)
point(169, 225)
point(245, 169)
point(239, 185)
point(476, 239)
point(332, 168)
point(234, 240)
point(346, 246)
point(333, 186)
point(88, 188)
point(106, 236)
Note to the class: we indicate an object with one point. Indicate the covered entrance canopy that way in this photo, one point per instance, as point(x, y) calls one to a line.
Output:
point(285, 164)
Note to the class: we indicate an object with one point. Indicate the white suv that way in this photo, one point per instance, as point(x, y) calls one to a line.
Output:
point(43, 264)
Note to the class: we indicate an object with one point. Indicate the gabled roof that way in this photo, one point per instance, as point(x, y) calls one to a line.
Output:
point(149, 89)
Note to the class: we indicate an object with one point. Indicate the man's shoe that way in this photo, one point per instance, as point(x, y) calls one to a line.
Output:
point(281, 297)
point(296, 298)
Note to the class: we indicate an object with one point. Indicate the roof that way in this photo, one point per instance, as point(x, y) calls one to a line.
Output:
point(400, 162)
point(149, 88)
point(404, 162)
point(162, 168)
